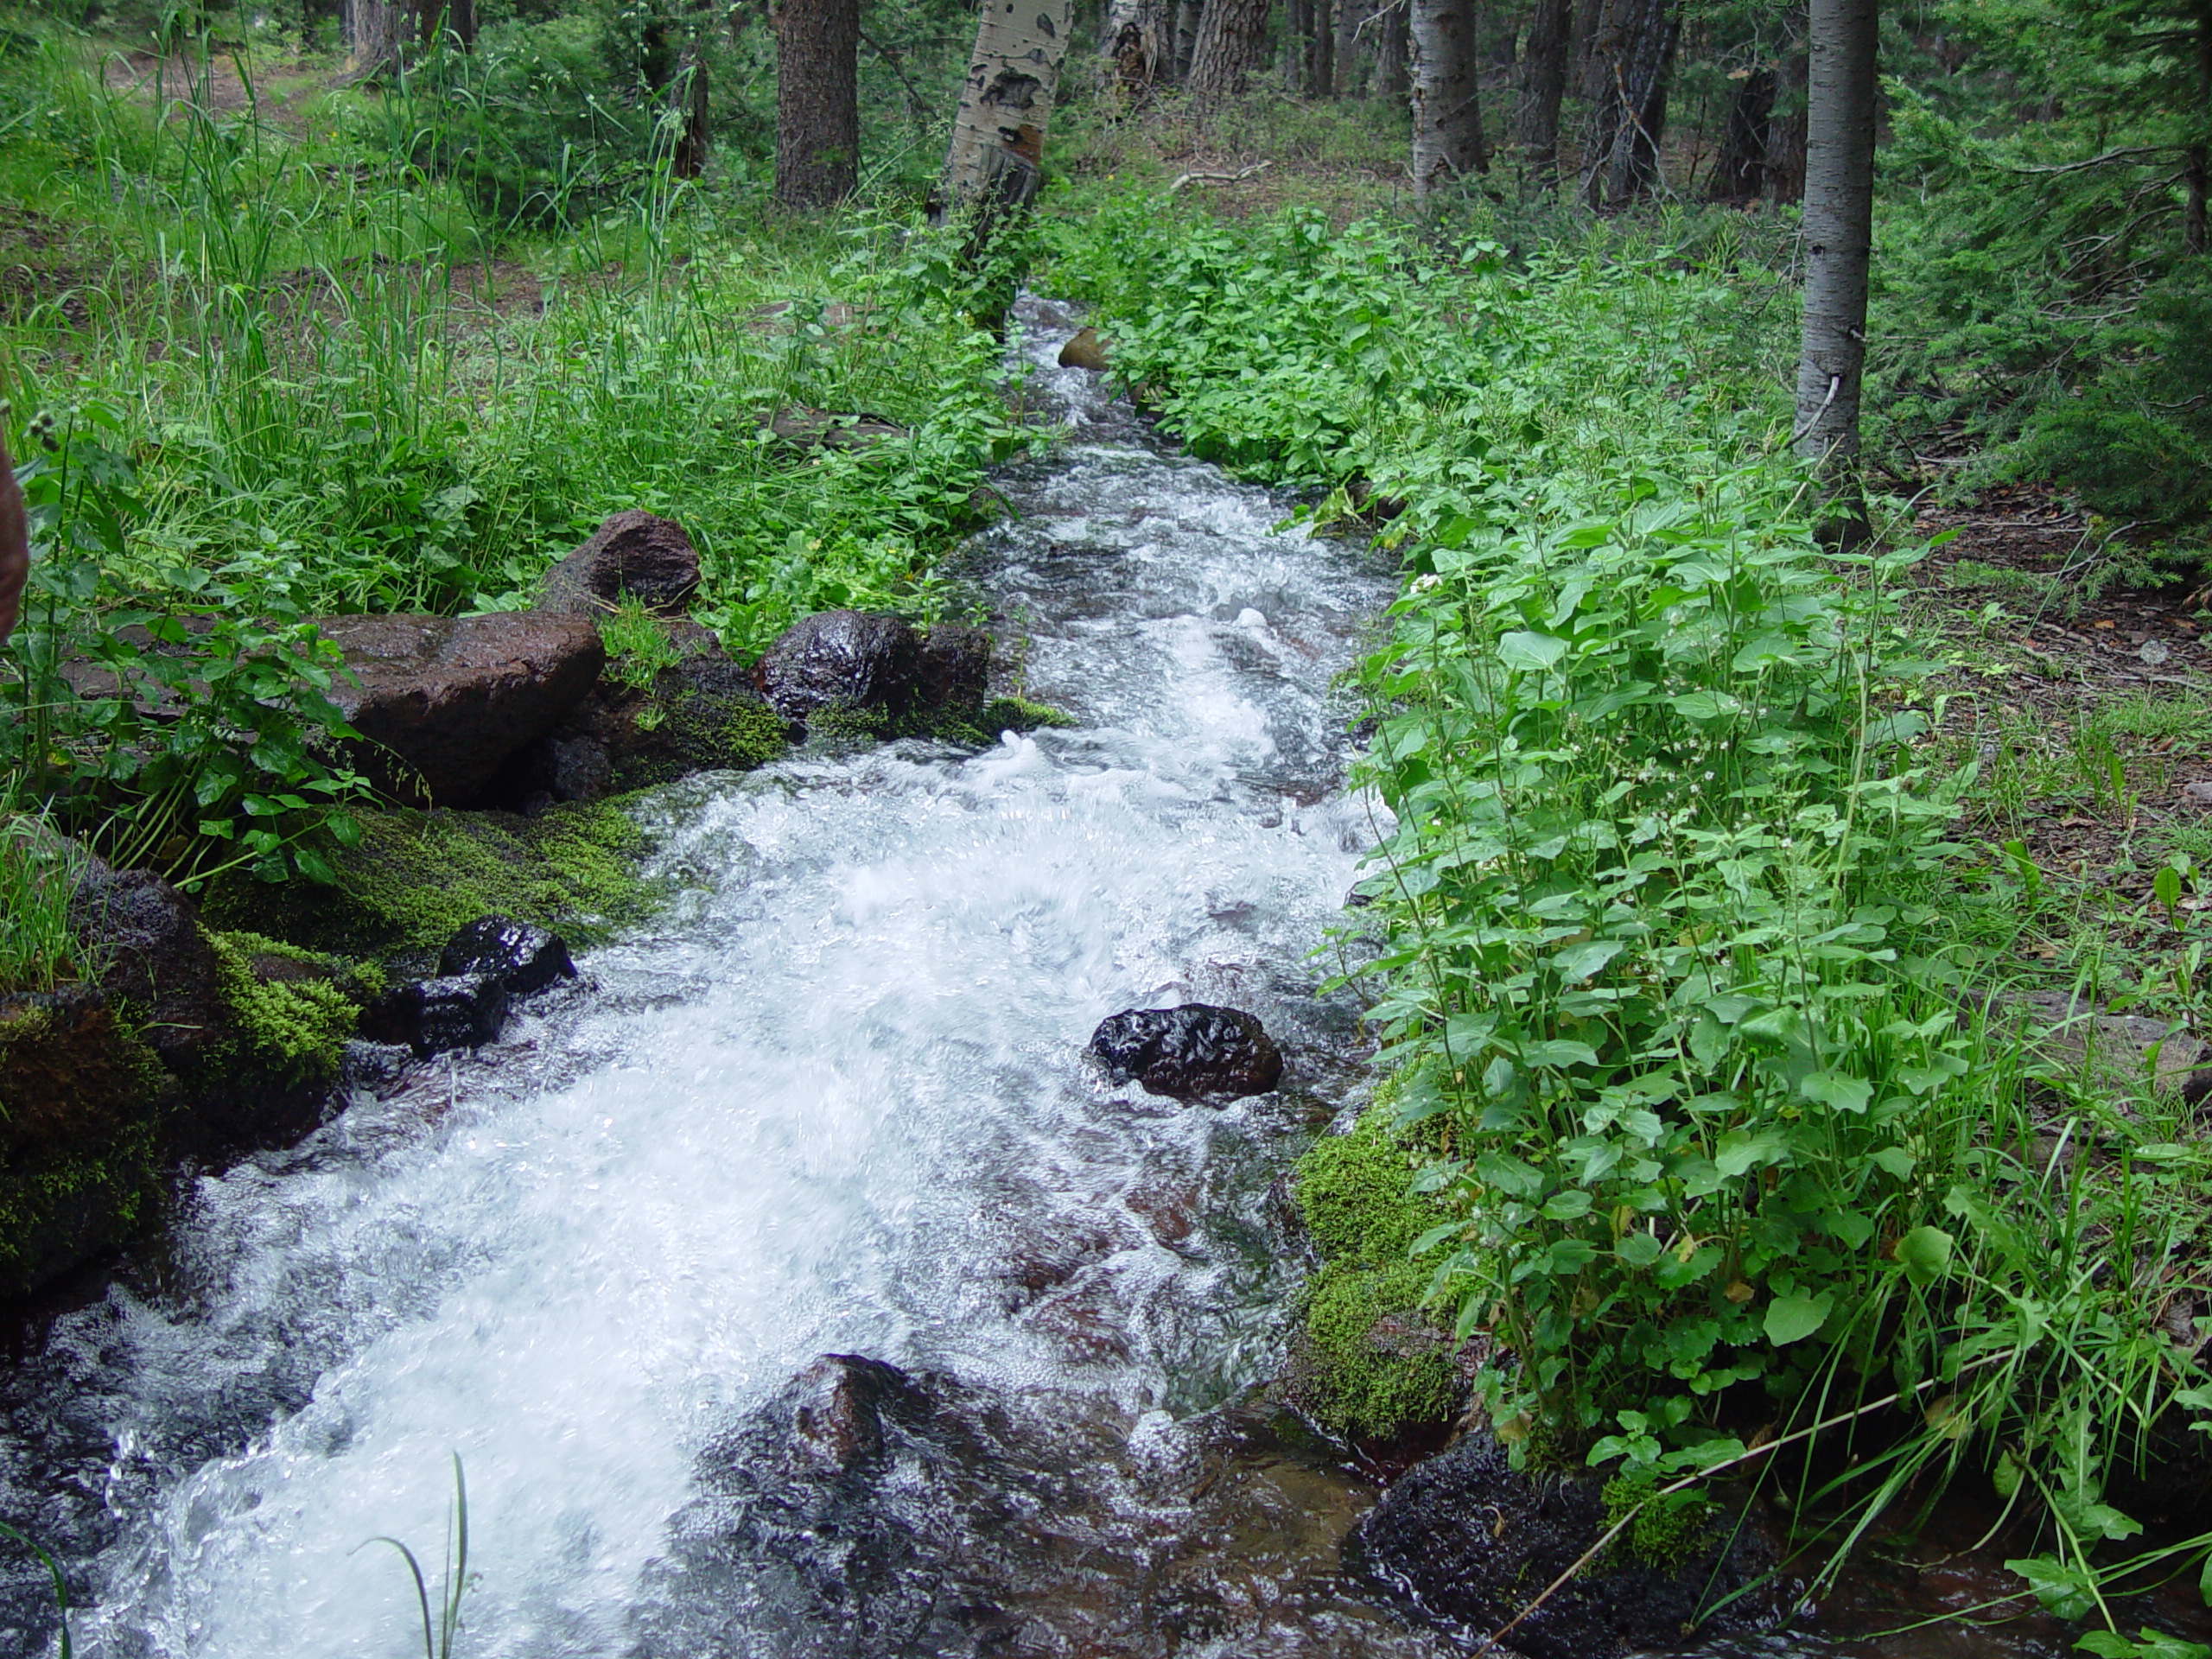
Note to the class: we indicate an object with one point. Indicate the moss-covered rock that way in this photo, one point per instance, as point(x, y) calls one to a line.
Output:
point(1366, 1361)
point(416, 877)
point(81, 1104)
point(291, 1010)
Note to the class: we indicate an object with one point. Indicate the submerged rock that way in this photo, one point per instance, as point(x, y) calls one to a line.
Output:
point(146, 938)
point(523, 956)
point(865, 1510)
point(1084, 350)
point(632, 556)
point(1468, 1543)
point(433, 1015)
point(1189, 1052)
point(444, 701)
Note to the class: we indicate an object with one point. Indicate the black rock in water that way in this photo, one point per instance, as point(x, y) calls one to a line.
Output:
point(521, 955)
point(1189, 1052)
point(1467, 1541)
point(433, 1016)
point(146, 936)
point(841, 660)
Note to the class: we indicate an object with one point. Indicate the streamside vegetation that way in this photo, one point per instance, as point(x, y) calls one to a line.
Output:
point(1785, 942)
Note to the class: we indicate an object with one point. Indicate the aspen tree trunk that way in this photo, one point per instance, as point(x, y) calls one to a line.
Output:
point(1543, 84)
point(1186, 37)
point(1136, 44)
point(998, 138)
point(1231, 43)
point(818, 101)
point(1838, 237)
point(1447, 105)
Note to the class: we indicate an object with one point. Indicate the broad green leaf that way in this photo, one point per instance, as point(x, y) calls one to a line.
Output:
point(1845, 1094)
point(1925, 1254)
point(1580, 962)
point(1796, 1316)
point(1524, 649)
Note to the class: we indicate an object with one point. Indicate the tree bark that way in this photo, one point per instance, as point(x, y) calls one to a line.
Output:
point(1349, 14)
point(1137, 44)
point(371, 30)
point(2196, 166)
point(1739, 174)
point(1321, 57)
point(457, 18)
point(1785, 132)
point(1393, 71)
point(1231, 43)
point(687, 95)
point(1543, 84)
point(1186, 37)
point(1447, 102)
point(818, 101)
point(998, 138)
point(1838, 231)
point(1631, 57)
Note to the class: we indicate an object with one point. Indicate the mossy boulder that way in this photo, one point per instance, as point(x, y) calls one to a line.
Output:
point(417, 878)
point(1365, 1361)
point(82, 1101)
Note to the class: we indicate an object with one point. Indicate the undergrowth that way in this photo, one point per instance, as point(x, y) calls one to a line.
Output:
point(1742, 1143)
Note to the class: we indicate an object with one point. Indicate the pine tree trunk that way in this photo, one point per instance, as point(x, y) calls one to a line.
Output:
point(1349, 14)
point(1837, 228)
point(2195, 164)
point(818, 101)
point(1298, 27)
point(454, 19)
point(1633, 167)
point(687, 95)
point(371, 30)
point(1321, 79)
point(1393, 73)
point(1232, 42)
point(1785, 132)
point(1006, 104)
point(1543, 84)
point(1739, 174)
point(1447, 104)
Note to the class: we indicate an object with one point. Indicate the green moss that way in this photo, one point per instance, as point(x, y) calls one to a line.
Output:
point(1668, 1532)
point(81, 1100)
point(847, 723)
point(1370, 1364)
point(1354, 1194)
point(418, 877)
point(1365, 1381)
point(740, 735)
point(293, 1028)
point(1000, 714)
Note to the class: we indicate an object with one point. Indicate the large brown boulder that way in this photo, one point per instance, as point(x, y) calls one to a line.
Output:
point(445, 701)
point(633, 555)
point(145, 936)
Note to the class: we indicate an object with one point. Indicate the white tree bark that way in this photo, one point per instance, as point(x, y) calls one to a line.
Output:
point(1447, 106)
point(1837, 226)
point(1139, 46)
point(1006, 104)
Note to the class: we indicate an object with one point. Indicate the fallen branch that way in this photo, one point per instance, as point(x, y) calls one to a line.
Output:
point(1217, 178)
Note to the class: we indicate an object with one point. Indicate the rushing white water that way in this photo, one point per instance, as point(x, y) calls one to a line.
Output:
point(836, 1102)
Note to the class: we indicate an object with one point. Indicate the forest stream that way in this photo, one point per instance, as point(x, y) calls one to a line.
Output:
point(836, 1102)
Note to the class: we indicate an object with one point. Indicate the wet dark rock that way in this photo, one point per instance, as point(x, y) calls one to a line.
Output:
point(1084, 350)
point(632, 556)
point(81, 1102)
point(702, 714)
point(523, 956)
point(445, 701)
point(1467, 1542)
point(145, 938)
point(865, 1511)
point(433, 1015)
point(842, 660)
point(953, 671)
point(1189, 1052)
